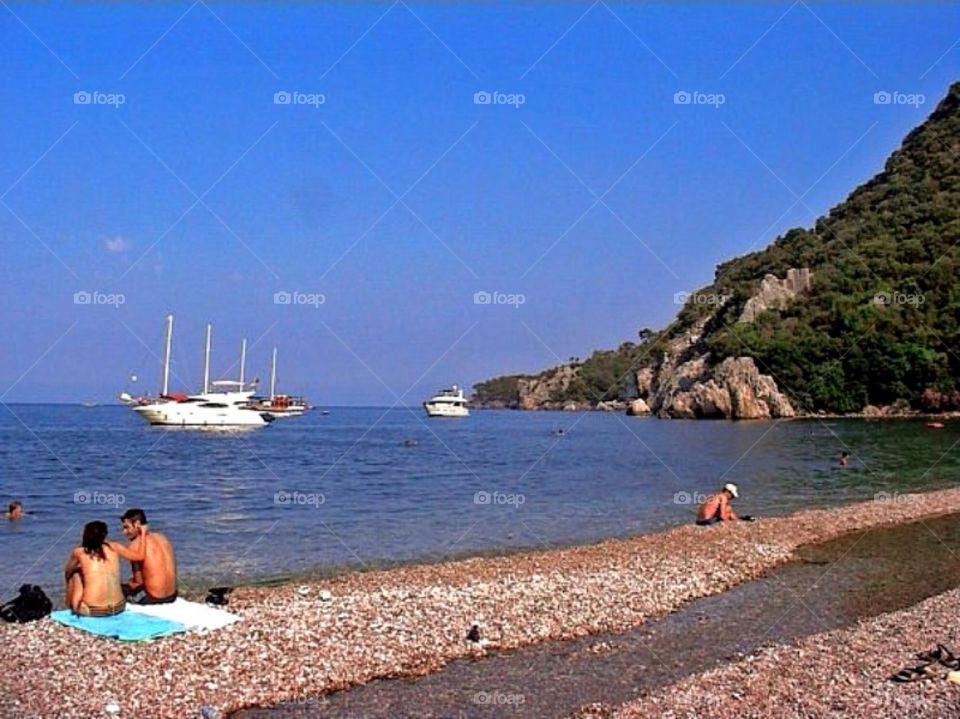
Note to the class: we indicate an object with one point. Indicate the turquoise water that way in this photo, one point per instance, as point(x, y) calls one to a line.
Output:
point(375, 485)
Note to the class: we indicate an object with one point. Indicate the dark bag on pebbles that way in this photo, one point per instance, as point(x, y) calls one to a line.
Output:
point(32, 604)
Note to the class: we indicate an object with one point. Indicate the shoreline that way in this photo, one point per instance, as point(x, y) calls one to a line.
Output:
point(411, 620)
point(905, 415)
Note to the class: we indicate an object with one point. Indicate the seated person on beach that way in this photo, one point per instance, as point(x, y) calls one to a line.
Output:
point(716, 507)
point(155, 574)
point(92, 574)
point(15, 510)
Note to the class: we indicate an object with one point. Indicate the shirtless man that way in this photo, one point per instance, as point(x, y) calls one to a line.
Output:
point(92, 574)
point(156, 573)
point(716, 507)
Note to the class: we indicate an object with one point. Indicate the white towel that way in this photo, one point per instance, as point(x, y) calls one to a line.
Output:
point(193, 615)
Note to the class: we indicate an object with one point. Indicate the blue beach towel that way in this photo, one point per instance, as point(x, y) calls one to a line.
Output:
point(126, 626)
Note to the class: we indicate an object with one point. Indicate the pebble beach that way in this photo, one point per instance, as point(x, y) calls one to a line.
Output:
point(832, 674)
point(297, 641)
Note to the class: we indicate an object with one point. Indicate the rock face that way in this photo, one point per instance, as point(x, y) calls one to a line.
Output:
point(775, 293)
point(733, 389)
point(685, 382)
point(686, 385)
point(537, 393)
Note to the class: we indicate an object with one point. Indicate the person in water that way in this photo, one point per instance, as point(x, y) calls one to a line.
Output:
point(155, 573)
point(844, 456)
point(716, 507)
point(92, 574)
point(14, 510)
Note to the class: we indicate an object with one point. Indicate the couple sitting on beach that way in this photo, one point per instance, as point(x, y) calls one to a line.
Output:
point(92, 573)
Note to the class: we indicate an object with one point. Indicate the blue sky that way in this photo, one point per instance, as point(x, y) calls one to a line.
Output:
point(396, 199)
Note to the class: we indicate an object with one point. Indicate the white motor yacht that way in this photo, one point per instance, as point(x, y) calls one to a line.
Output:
point(447, 403)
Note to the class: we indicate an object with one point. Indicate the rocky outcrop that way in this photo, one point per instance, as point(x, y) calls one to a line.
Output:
point(776, 294)
point(685, 382)
point(538, 392)
point(733, 389)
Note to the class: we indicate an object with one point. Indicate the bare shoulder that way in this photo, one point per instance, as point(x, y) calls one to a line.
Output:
point(159, 538)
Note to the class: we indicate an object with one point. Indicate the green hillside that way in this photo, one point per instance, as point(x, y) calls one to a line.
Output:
point(881, 323)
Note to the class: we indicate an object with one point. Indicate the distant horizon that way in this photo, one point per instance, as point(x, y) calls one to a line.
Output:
point(429, 194)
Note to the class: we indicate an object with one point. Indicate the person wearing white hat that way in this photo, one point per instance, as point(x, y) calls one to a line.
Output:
point(716, 507)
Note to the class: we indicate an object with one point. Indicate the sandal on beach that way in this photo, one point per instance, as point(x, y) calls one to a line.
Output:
point(940, 654)
point(914, 674)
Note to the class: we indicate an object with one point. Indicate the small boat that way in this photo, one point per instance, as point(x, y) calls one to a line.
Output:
point(935, 425)
point(279, 405)
point(447, 403)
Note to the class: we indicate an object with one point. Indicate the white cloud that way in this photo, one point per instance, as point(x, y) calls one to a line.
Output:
point(115, 244)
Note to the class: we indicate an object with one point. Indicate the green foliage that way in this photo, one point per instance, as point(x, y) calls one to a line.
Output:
point(836, 349)
point(499, 389)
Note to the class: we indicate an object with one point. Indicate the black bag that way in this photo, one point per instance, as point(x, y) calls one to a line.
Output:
point(32, 604)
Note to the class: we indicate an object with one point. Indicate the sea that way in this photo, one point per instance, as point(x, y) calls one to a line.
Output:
point(367, 487)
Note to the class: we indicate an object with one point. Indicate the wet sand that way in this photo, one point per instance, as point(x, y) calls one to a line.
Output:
point(831, 586)
point(295, 645)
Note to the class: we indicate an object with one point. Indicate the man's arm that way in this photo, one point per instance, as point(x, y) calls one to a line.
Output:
point(726, 513)
point(135, 552)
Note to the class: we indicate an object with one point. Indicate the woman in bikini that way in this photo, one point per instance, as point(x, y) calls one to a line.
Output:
point(92, 574)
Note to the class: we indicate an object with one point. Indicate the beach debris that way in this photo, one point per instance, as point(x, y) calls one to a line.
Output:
point(217, 596)
point(474, 634)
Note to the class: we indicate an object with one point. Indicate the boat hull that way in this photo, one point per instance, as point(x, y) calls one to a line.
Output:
point(445, 409)
point(175, 414)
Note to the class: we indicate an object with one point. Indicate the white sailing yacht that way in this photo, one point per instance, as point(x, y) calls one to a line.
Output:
point(226, 405)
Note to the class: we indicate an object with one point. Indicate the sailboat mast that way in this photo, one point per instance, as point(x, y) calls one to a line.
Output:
point(206, 362)
point(243, 360)
point(167, 341)
point(273, 374)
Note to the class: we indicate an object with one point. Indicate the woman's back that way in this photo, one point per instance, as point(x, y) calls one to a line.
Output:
point(101, 576)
